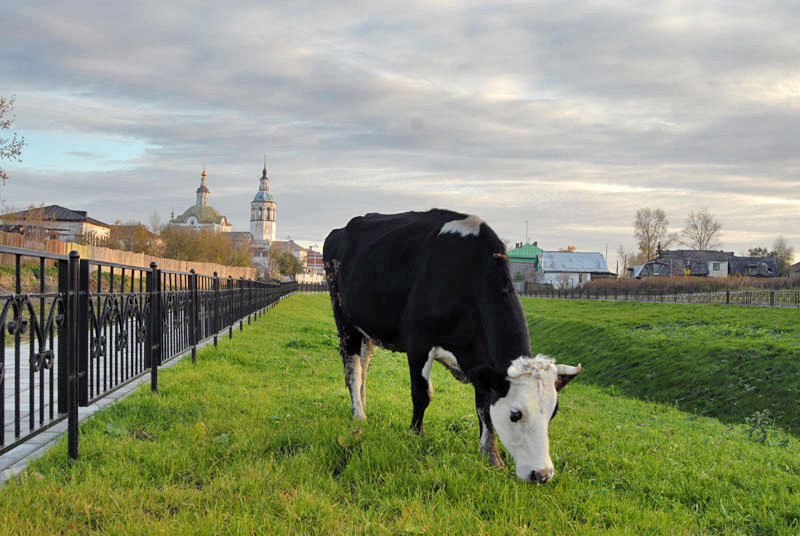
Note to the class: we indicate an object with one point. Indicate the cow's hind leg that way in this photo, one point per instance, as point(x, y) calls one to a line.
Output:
point(419, 366)
point(367, 351)
point(349, 344)
point(488, 442)
point(350, 348)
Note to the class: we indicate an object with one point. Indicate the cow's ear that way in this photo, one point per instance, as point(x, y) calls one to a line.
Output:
point(566, 374)
point(489, 379)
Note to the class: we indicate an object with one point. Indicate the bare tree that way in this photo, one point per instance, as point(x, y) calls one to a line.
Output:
point(650, 229)
point(10, 148)
point(784, 253)
point(702, 230)
point(155, 222)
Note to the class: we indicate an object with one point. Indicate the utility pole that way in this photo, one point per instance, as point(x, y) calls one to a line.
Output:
point(526, 231)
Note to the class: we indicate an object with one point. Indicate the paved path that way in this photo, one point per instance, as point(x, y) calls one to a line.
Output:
point(16, 460)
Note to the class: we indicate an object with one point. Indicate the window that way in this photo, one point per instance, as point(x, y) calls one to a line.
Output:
point(715, 267)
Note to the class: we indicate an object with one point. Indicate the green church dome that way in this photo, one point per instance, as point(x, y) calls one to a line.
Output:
point(203, 214)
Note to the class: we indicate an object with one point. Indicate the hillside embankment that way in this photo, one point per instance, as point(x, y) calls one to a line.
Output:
point(737, 364)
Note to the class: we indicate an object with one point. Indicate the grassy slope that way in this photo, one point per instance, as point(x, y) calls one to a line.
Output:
point(249, 440)
point(727, 362)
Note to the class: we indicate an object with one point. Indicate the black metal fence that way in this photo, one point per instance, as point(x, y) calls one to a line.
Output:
point(75, 330)
point(763, 298)
point(312, 288)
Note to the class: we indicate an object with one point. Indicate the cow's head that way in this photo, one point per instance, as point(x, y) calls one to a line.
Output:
point(522, 416)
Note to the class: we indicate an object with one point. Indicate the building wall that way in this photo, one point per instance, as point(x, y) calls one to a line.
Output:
point(723, 269)
point(565, 279)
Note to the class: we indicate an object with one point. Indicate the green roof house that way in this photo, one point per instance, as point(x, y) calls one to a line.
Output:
point(524, 260)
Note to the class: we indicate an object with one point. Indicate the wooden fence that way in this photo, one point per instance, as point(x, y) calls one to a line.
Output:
point(116, 256)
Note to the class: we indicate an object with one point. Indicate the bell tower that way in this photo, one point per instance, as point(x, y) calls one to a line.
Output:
point(263, 217)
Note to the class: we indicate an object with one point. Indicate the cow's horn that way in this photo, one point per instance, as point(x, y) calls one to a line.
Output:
point(567, 370)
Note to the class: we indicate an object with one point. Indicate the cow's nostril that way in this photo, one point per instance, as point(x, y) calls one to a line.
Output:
point(541, 476)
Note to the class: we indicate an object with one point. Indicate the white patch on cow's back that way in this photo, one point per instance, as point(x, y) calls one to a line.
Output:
point(469, 226)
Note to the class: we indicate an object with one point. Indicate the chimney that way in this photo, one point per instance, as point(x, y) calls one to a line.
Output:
point(536, 243)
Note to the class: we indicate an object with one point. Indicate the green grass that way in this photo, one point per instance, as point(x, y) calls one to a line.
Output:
point(256, 438)
point(733, 363)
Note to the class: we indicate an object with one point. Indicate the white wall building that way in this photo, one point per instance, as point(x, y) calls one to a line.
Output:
point(570, 269)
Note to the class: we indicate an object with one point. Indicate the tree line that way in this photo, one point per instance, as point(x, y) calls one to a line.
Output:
point(701, 231)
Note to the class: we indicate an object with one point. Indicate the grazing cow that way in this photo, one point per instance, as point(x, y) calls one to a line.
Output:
point(436, 285)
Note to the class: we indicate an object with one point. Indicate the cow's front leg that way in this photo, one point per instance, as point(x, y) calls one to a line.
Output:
point(488, 441)
point(421, 391)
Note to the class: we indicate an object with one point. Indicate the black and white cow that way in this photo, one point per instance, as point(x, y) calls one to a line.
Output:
point(437, 286)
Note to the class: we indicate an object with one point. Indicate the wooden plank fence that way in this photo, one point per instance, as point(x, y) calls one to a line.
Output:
point(116, 256)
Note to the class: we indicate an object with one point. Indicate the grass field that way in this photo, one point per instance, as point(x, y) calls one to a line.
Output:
point(738, 364)
point(256, 438)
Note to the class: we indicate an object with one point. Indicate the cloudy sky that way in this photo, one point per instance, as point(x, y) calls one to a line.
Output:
point(567, 115)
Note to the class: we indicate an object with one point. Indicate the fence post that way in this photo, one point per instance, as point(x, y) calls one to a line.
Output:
point(72, 323)
point(216, 308)
point(195, 311)
point(241, 303)
point(230, 320)
point(771, 298)
point(83, 332)
point(153, 344)
point(727, 297)
point(64, 334)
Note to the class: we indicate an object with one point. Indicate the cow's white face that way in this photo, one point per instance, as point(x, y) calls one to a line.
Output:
point(522, 417)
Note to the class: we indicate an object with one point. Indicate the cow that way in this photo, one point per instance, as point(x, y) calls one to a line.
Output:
point(436, 285)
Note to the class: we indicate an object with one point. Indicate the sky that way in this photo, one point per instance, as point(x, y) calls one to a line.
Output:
point(562, 118)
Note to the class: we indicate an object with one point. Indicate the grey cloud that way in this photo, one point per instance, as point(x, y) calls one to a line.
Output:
point(353, 104)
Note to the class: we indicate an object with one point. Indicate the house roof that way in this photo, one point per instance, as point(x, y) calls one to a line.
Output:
point(284, 245)
point(573, 261)
point(525, 253)
point(696, 255)
point(695, 262)
point(755, 266)
point(57, 213)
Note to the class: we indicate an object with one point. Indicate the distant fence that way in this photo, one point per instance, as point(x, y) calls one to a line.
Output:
point(761, 298)
point(312, 288)
point(104, 326)
point(117, 256)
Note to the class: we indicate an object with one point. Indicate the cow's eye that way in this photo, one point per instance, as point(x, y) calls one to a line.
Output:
point(516, 415)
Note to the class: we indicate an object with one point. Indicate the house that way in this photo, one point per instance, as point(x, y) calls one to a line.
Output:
point(523, 261)
point(705, 263)
point(569, 269)
point(795, 271)
point(59, 222)
point(312, 260)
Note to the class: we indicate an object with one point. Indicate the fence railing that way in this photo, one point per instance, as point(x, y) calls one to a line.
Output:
point(763, 298)
point(312, 288)
point(74, 330)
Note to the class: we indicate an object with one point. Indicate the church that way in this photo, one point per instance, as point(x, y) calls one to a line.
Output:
point(201, 215)
point(263, 228)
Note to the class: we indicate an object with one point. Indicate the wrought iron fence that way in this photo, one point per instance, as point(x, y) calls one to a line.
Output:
point(763, 298)
point(312, 288)
point(75, 330)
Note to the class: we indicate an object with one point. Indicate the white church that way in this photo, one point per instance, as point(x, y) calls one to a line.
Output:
point(263, 228)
